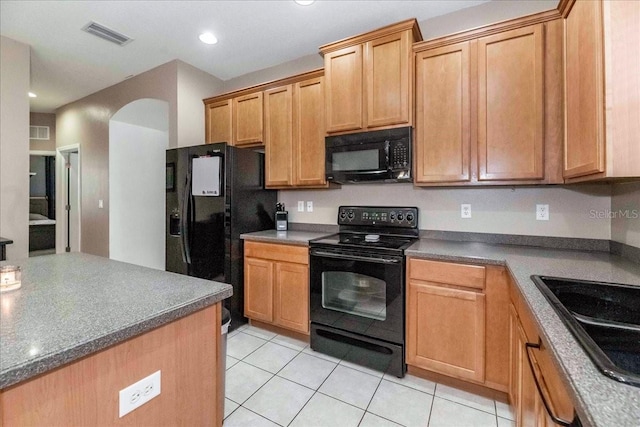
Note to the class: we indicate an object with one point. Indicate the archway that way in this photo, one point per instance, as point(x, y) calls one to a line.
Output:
point(138, 139)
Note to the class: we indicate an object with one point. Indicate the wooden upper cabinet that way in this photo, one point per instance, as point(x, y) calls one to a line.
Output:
point(584, 143)
point(309, 133)
point(602, 78)
point(387, 72)
point(511, 105)
point(344, 91)
point(278, 106)
point(443, 109)
point(489, 105)
point(294, 135)
point(218, 122)
point(247, 120)
point(369, 79)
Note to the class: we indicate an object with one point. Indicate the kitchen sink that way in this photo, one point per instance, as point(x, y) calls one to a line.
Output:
point(604, 318)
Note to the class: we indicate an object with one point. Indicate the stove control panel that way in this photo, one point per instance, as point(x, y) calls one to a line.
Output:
point(382, 216)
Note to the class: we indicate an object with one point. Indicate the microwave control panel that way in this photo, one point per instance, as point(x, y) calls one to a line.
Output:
point(400, 155)
point(403, 217)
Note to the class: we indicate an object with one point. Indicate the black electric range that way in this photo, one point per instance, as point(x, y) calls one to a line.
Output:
point(357, 280)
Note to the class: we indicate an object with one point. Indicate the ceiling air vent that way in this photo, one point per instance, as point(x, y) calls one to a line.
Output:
point(39, 132)
point(106, 33)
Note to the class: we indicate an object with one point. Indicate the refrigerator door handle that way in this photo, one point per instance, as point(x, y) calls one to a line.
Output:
point(184, 223)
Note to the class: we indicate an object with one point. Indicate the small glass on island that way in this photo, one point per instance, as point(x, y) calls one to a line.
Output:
point(10, 276)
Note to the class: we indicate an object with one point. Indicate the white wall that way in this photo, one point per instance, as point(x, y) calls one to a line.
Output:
point(137, 193)
point(483, 14)
point(508, 210)
point(194, 85)
point(625, 214)
point(14, 146)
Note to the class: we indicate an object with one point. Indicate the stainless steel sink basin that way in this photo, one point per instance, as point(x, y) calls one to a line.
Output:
point(604, 318)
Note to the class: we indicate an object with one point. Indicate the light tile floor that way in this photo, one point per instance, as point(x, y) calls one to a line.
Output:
point(274, 380)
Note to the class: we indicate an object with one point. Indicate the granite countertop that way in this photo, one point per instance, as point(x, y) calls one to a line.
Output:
point(600, 401)
point(72, 305)
point(289, 237)
point(4, 241)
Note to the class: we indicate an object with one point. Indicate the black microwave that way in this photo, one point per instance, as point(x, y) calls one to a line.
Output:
point(382, 156)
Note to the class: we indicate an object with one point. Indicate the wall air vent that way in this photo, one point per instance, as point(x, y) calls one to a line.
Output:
point(106, 33)
point(39, 132)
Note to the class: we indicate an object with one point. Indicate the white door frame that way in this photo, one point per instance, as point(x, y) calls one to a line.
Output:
point(61, 188)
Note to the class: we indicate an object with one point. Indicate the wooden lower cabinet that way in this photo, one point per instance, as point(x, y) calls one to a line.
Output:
point(530, 366)
point(447, 316)
point(276, 285)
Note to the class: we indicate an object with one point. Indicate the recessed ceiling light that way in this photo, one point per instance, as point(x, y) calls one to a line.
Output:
point(208, 38)
point(304, 2)
point(32, 95)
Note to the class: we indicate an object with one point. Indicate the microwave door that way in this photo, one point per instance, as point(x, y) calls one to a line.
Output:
point(356, 159)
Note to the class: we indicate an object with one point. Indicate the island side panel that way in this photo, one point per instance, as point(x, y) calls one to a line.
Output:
point(85, 392)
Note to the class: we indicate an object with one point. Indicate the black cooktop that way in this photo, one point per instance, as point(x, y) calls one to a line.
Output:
point(366, 240)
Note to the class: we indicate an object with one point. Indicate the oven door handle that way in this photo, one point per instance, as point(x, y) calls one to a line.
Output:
point(355, 257)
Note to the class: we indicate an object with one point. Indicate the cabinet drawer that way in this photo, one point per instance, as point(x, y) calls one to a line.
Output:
point(448, 273)
point(277, 252)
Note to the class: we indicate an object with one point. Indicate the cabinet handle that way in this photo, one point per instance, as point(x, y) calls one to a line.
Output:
point(555, 419)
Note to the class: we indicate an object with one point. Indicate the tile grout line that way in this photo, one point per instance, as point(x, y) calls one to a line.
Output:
point(433, 400)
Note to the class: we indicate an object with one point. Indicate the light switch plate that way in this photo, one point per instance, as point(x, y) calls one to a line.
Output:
point(300, 206)
point(100, 204)
point(139, 393)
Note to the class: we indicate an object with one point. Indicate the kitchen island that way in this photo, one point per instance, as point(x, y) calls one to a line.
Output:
point(81, 328)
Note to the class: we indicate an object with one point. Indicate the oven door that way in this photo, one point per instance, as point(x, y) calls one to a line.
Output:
point(358, 292)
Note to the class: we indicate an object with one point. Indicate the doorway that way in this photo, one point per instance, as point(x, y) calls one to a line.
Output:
point(69, 211)
point(42, 203)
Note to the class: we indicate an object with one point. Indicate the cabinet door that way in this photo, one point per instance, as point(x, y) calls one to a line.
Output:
point(446, 330)
point(511, 105)
point(279, 136)
point(218, 122)
point(292, 296)
point(443, 133)
point(387, 76)
point(584, 79)
point(258, 289)
point(309, 128)
point(247, 119)
point(343, 74)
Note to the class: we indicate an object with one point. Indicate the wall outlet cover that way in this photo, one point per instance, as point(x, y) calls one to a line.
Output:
point(300, 206)
point(309, 206)
point(139, 393)
point(465, 210)
point(542, 212)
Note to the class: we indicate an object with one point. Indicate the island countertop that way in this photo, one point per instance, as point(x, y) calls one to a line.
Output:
point(73, 305)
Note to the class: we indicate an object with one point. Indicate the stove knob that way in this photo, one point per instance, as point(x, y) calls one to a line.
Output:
point(350, 215)
point(409, 217)
point(400, 216)
point(392, 216)
point(343, 215)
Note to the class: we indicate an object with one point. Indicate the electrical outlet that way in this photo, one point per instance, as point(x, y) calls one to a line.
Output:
point(300, 206)
point(139, 393)
point(465, 211)
point(542, 212)
point(100, 204)
point(309, 206)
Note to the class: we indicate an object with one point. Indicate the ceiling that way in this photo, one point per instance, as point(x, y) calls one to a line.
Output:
point(68, 64)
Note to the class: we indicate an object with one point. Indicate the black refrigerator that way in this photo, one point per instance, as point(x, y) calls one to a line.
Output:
point(215, 193)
